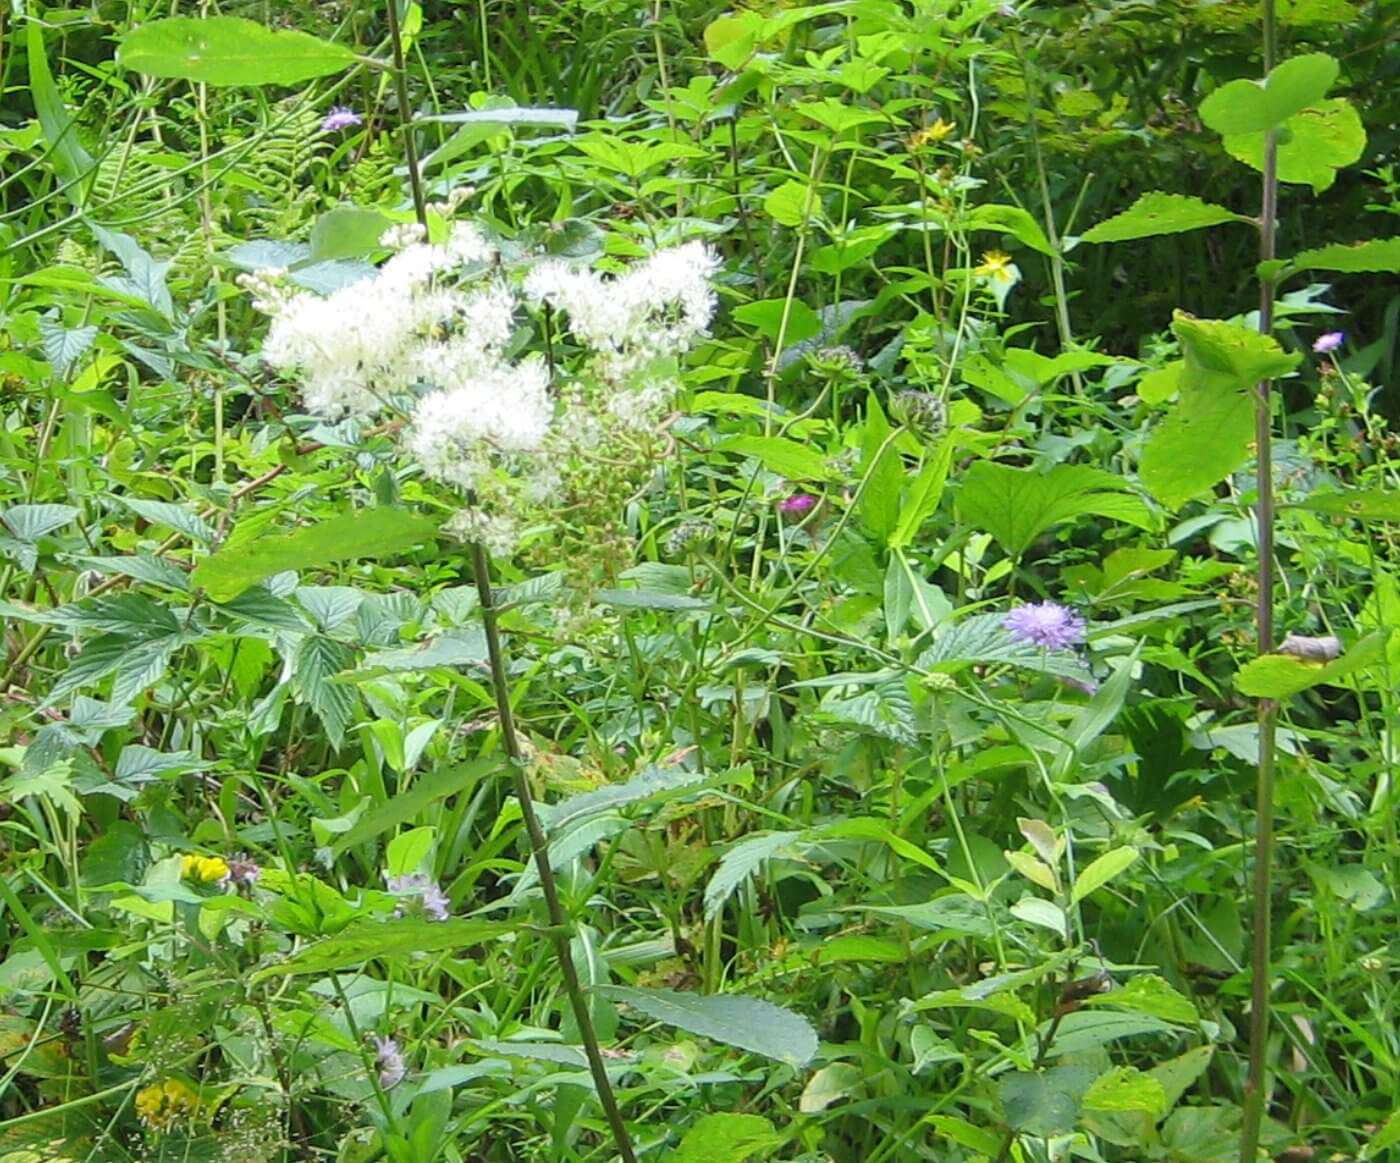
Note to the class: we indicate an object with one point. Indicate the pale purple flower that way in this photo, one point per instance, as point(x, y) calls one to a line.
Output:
point(1329, 342)
point(389, 1058)
point(242, 873)
point(433, 900)
point(340, 118)
point(797, 505)
point(1045, 624)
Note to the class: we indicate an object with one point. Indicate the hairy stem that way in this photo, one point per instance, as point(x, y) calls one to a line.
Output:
point(1255, 1088)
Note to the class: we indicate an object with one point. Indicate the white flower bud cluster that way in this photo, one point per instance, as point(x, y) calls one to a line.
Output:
point(431, 330)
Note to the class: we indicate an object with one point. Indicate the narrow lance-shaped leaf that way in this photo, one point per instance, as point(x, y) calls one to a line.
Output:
point(744, 1022)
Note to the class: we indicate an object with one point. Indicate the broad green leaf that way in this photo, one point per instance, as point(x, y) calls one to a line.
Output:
point(788, 458)
point(350, 536)
point(1364, 504)
point(1207, 435)
point(406, 851)
point(1312, 145)
point(1149, 994)
point(1036, 911)
point(954, 913)
point(733, 1138)
point(648, 600)
point(177, 517)
point(347, 232)
point(965, 1134)
point(830, 1084)
point(1087, 1030)
point(406, 806)
point(229, 50)
point(119, 855)
point(731, 40)
point(1044, 1102)
point(788, 204)
point(1017, 505)
point(882, 470)
point(744, 1022)
point(1378, 254)
point(1102, 870)
point(1157, 213)
point(317, 661)
point(794, 320)
point(452, 649)
point(1247, 106)
point(1011, 220)
point(30, 522)
point(1279, 676)
point(371, 940)
point(1157, 387)
point(1126, 1089)
point(983, 638)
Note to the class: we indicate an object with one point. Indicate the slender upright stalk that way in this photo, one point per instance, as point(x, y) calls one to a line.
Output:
point(1255, 1087)
point(559, 924)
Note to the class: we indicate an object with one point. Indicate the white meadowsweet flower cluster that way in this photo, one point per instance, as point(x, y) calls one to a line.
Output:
point(431, 333)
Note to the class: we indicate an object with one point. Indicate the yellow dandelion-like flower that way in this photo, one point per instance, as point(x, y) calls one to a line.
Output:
point(163, 1103)
point(940, 130)
point(205, 868)
point(997, 266)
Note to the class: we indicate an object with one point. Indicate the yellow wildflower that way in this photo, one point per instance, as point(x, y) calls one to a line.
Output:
point(998, 267)
point(163, 1103)
point(205, 868)
point(940, 130)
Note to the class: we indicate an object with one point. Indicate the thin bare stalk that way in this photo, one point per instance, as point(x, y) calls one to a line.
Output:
point(1255, 1087)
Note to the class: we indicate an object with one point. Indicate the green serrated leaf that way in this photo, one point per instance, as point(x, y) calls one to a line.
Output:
point(372, 940)
point(733, 1138)
point(743, 1022)
point(1312, 144)
point(1375, 255)
point(788, 458)
point(229, 50)
point(1044, 1102)
point(1157, 213)
point(360, 533)
point(1126, 1089)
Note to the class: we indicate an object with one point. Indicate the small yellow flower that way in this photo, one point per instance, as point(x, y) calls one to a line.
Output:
point(205, 868)
point(163, 1103)
point(940, 130)
point(998, 267)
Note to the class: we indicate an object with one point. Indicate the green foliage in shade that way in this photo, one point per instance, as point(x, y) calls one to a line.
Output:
point(1208, 433)
point(745, 1022)
point(347, 232)
point(1377, 255)
point(1017, 505)
point(351, 536)
point(731, 1137)
point(1044, 1102)
point(1247, 106)
point(788, 458)
point(1126, 1088)
point(1280, 676)
point(1312, 145)
point(1157, 213)
point(229, 50)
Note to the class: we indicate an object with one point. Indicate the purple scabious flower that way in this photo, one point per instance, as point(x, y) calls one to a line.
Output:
point(797, 505)
point(1045, 624)
point(340, 118)
point(433, 900)
point(389, 1058)
point(242, 872)
point(1329, 342)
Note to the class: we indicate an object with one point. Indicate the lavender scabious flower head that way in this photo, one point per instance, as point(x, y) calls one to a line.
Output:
point(1328, 342)
point(389, 1058)
point(1045, 624)
point(242, 873)
point(433, 900)
point(340, 118)
point(797, 505)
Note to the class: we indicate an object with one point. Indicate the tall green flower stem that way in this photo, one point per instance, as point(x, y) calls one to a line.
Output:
point(1255, 1086)
point(560, 925)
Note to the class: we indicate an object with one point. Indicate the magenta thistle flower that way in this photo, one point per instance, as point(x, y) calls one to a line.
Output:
point(797, 505)
point(389, 1058)
point(1045, 624)
point(1329, 342)
point(340, 118)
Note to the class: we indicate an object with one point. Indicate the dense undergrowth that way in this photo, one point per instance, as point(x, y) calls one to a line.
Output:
point(657, 581)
